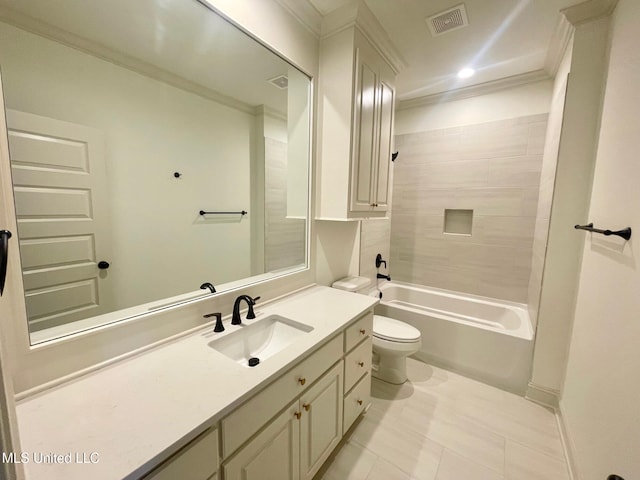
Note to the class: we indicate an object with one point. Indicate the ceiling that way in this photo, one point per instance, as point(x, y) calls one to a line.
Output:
point(504, 38)
point(182, 39)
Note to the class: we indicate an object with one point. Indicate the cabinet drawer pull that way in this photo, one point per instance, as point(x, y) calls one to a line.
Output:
point(362, 331)
point(359, 402)
point(361, 364)
point(302, 380)
point(306, 406)
point(297, 415)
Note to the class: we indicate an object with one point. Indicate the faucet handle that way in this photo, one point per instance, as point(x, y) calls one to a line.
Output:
point(250, 314)
point(219, 327)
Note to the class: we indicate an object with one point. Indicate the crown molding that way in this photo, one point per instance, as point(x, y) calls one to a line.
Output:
point(359, 16)
point(475, 90)
point(589, 11)
point(305, 13)
point(265, 111)
point(120, 59)
point(558, 45)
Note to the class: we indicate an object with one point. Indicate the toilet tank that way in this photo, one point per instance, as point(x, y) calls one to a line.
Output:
point(353, 284)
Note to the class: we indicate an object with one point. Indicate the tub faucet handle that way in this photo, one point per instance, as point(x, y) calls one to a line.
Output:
point(380, 261)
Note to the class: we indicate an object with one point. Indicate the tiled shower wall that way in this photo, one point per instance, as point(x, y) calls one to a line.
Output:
point(374, 239)
point(284, 238)
point(490, 168)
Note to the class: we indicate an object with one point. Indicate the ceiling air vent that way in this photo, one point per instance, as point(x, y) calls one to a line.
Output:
point(281, 81)
point(447, 21)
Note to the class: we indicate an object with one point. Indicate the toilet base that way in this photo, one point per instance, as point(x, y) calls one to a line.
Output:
point(391, 369)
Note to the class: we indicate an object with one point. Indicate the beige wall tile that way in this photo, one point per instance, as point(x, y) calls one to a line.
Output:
point(536, 136)
point(523, 171)
point(493, 169)
point(284, 238)
point(509, 231)
point(375, 237)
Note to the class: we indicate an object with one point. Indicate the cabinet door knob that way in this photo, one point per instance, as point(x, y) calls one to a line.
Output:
point(302, 380)
point(306, 406)
point(359, 402)
point(361, 364)
point(362, 331)
point(297, 415)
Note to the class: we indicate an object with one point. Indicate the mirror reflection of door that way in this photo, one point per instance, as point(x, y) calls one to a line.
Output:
point(60, 190)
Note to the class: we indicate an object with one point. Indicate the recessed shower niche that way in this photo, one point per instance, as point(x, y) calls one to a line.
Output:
point(458, 222)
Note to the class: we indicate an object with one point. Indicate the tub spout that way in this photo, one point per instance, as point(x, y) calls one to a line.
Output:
point(386, 277)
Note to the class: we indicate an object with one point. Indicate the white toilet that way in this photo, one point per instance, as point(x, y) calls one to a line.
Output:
point(393, 340)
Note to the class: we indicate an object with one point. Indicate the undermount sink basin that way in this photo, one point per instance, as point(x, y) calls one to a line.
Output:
point(260, 340)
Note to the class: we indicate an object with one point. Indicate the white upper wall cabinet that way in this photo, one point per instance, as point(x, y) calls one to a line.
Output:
point(356, 104)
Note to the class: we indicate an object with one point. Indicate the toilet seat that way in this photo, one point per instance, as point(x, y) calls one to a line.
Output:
point(385, 328)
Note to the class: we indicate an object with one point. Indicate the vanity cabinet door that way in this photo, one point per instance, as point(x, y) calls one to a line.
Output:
point(274, 454)
point(321, 421)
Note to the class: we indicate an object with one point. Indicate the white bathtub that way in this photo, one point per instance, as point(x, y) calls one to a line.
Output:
point(480, 337)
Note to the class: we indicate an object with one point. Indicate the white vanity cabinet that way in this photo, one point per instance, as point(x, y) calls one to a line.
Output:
point(321, 421)
point(357, 369)
point(196, 461)
point(295, 442)
point(357, 99)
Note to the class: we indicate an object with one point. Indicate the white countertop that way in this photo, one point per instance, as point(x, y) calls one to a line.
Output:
point(133, 413)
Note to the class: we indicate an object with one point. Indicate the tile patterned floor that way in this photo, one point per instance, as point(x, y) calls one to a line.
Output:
point(443, 426)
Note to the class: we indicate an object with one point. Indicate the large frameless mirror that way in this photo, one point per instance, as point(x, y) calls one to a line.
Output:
point(155, 149)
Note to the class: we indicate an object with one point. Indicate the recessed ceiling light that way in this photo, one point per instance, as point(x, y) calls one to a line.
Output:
point(466, 72)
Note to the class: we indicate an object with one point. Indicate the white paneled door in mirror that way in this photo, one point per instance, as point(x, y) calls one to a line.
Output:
point(126, 119)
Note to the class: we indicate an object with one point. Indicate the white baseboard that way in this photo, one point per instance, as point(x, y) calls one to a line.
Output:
point(551, 399)
point(567, 444)
point(543, 396)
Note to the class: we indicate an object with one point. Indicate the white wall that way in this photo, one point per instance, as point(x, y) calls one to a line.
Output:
point(337, 250)
point(520, 101)
point(547, 182)
point(573, 179)
point(151, 130)
point(601, 393)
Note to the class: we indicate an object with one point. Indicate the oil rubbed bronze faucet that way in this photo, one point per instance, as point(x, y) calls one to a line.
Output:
point(235, 318)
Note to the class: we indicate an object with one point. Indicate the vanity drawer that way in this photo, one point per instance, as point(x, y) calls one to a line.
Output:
point(357, 363)
point(196, 461)
point(361, 329)
point(356, 401)
point(244, 421)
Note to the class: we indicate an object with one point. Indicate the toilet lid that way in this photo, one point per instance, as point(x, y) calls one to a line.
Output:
point(394, 330)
